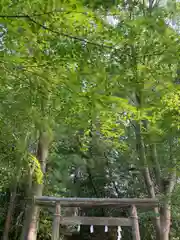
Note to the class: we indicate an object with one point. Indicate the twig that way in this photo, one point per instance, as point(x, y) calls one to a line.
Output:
point(69, 36)
point(57, 32)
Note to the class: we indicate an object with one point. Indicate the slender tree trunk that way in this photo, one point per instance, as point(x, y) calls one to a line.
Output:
point(162, 223)
point(27, 206)
point(166, 208)
point(32, 213)
point(147, 178)
point(165, 222)
point(10, 213)
point(156, 165)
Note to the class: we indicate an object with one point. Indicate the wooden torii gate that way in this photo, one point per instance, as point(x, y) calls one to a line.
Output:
point(131, 221)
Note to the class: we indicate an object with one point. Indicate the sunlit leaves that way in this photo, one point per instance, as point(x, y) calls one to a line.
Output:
point(35, 168)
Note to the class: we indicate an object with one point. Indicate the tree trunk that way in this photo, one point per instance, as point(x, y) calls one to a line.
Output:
point(147, 178)
point(165, 222)
point(162, 224)
point(10, 213)
point(32, 213)
point(27, 206)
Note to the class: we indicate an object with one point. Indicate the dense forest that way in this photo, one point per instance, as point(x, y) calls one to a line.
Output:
point(89, 107)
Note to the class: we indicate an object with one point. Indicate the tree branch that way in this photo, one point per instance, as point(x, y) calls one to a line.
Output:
point(172, 183)
point(42, 14)
point(69, 36)
point(57, 32)
point(172, 177)
point(157, 168)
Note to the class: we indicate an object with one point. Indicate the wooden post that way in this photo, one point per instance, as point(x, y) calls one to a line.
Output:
point(135, 223)
point(56, 222)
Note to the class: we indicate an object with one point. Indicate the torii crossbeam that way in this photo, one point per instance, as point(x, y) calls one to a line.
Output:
point(132, 221)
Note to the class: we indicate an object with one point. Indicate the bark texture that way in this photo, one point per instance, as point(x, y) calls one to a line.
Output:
point(162, 219)
point(165, 222)
point(32, 213)
point(10, 213)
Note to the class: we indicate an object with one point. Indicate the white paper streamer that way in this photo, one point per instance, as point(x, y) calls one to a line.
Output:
point(91, 229)
point(106, 229)
point(79, 228)
point(119, 233)
point(119, 237)
point(119, 229)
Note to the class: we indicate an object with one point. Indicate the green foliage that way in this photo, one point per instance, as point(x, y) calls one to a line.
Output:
point(35, 168)
point(65, 69)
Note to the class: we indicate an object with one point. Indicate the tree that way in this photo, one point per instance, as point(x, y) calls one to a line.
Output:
point(67, 71)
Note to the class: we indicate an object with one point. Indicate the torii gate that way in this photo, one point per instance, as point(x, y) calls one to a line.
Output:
point(131, 221)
